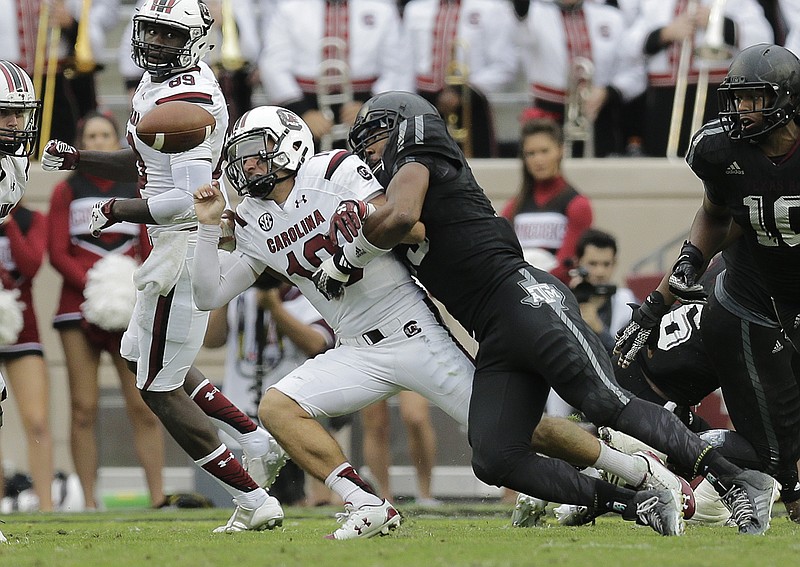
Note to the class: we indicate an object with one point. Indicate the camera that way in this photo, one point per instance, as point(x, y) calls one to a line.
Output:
point(585, 291)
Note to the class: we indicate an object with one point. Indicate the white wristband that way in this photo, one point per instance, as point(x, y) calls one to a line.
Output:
point(361, 251)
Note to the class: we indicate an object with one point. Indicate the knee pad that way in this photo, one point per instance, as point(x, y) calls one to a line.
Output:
point(602, 407)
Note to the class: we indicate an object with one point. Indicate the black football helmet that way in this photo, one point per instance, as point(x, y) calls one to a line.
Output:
point(380, 115)
point(769, 72)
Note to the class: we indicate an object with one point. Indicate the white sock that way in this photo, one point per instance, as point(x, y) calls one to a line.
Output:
point(346, 483)
point(254, 444)
point(627, 467)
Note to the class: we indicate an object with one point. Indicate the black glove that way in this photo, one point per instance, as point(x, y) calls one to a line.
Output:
point(639, 332)
point(683, 280)
point(332, 275)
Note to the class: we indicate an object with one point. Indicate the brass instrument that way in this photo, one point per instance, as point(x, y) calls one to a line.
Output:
point(84, 58)
point(334, 87)
point(231, 57)
point(577, 126)
point(713, 49)
point(45, 67)
point(459, 123)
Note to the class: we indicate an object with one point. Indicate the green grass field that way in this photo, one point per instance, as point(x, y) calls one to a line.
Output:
point(455, 535)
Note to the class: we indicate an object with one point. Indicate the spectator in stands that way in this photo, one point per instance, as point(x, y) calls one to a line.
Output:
point(239, 41)
point(74, 253)
point(361, 38)
point(472, 42)
point(604, 306)
point(659, 33)
point(416, 417)
point(268, 331)
point(23, 240)
point(548, 214)
point(75, 93)
point(790, 9)
point(579, 73)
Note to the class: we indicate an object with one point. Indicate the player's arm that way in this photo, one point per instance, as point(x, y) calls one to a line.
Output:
point(383, 228)
point(119, 165)
point(217, 276)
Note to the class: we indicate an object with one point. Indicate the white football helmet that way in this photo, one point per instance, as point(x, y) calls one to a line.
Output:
point(17, 97)
point(270, 135)
point(190, 17)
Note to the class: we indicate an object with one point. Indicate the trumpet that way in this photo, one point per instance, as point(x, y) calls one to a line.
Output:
point(231, 57)
point(459, 123)
point(84, 58)
point(334, 87)
point(577, 126)
point(712, 49)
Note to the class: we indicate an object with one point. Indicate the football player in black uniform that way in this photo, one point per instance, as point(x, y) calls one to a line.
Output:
point(749, 163)
point(527, 322)
point(733, 342)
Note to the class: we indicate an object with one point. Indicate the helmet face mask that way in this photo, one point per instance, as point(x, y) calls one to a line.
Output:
point(17, 98)
point(380, 116)
point(190, 18)
point(264, 143)
point(760, 94)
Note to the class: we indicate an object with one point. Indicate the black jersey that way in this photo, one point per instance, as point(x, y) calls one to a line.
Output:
point(763, 197)
point(470, 249)
point(741, 289)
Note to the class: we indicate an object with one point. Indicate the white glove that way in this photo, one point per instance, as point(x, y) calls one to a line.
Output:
point(58, 155)
point(101, 217)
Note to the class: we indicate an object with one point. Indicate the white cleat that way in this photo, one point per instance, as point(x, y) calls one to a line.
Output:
point(266, 517)
point(709, 509)
point(3, 538)
point(573, 515)
point(265, 468)
point(366, 521)
point(528, 511)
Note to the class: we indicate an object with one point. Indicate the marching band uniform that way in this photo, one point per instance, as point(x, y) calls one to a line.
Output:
point(745, 25)
point(377, 57)
point(481, 35)
point(554, 35)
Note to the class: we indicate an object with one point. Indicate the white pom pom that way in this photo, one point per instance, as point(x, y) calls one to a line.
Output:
point(110, 293)
point(11, 321)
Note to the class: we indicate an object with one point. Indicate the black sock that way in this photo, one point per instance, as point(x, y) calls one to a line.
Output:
point(717, 470)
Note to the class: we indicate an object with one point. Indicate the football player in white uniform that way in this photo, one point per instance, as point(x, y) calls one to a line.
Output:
point(166, 331)
point(389, 335)
point(19, 131)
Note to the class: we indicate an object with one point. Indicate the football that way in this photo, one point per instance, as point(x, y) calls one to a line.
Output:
point(175, 126)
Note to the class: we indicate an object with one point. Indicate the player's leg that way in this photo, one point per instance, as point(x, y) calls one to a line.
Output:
point(82, 361)
point(575, 363)
point(263, 458)
point(761, 392)
point(328, 385)
point(164, 337)
point(148, 438)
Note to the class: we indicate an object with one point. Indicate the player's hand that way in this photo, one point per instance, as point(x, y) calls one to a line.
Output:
point(332, 275)
point(209, 203)
point(683, 280)
point(227, 225)
point(348, 219)
point(102, 217)
point(58, 155)
point(639, 332)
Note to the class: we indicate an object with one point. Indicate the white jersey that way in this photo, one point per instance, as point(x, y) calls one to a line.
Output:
point(199, 86)
point(13, 179)
point(291, 240)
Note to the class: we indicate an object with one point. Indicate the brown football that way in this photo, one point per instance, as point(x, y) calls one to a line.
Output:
point(175, 126)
